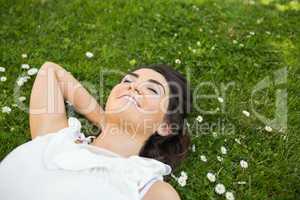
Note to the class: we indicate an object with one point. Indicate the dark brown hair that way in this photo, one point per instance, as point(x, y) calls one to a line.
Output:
point(171, 149)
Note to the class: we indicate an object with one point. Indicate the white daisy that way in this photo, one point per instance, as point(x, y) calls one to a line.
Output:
point(25, 78)
point(89, 54)
point(241, 45)
point(244, 164)
point(22, 80)
point(32, 71)
point(237, 140)
point(22, 98)
point(220, 188)
point(177, 61)
point(246, 113)
point(220, 99)
point(268, 128)
point(181, 181)
point(203, 158)
point(183, 174)
point(199, 118)
point(2, 69)
point(24, 55)
point(6, 109)
point(219, 158)
point(223, 150)
point(211, 177)
point(25, 66)
point(234, 41)
point(241, 182)
point(252, 33)
point(3, 78)
point(229, 196)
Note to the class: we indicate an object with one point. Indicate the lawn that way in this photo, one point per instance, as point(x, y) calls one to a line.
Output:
point(241, 57)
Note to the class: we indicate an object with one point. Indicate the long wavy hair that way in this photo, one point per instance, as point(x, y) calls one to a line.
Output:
point(171, 149)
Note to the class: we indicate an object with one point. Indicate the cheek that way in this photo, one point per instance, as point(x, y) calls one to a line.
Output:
point(151, 104)
point(156, 104)
point(111, 100)
point(155, 108)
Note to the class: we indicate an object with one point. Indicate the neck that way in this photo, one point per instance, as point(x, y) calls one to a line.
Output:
point(121, 141)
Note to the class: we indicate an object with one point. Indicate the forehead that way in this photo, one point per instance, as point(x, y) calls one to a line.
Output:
point(146, 74)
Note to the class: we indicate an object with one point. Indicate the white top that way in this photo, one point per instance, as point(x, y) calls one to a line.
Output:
point(54, 167)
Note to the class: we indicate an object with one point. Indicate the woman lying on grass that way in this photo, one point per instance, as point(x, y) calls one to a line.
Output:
point(143, 138)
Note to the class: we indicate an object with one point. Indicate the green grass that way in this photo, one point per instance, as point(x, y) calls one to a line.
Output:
point(160, 32)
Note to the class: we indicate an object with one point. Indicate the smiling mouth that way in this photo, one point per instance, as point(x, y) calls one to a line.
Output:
point(132, 99)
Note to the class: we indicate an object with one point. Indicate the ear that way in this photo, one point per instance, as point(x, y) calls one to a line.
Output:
point(164, 129)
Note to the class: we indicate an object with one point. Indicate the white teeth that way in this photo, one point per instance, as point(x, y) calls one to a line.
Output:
point(131, 99)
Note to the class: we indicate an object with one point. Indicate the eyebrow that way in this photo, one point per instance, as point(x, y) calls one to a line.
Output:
point(150, 80)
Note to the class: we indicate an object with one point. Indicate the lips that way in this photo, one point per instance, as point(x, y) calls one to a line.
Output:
point(131, 98)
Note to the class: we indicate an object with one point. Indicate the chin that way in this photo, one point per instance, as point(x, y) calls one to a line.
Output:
point(123, 115)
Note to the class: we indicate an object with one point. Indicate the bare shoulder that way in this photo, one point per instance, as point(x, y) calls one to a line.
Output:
point(161, 190)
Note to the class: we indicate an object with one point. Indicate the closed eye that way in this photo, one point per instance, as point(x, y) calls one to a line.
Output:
point(126, 81)
point(154, 91)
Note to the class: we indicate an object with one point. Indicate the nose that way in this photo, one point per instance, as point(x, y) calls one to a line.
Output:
point(133, 86)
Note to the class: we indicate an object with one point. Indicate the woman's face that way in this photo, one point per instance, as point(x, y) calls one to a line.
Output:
point(140, 99)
